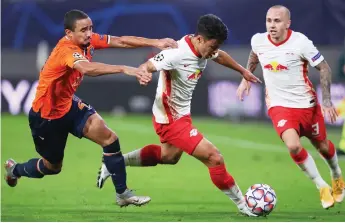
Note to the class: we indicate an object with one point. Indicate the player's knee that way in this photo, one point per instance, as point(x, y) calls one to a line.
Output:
point(215, 158)
point(170, 159)
point(322, 146)
point(51, 169)
point(109, 138)
point(294, 147)
point(55, 169)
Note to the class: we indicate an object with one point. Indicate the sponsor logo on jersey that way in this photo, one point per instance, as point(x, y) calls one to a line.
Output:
point(275, 67)
point(196, 75)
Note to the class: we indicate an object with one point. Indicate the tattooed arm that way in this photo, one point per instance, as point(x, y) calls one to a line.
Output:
point(252, 63)
point(325, 81)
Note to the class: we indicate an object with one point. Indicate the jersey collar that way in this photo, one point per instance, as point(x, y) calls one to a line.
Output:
point(191, 46)
point(282, 42)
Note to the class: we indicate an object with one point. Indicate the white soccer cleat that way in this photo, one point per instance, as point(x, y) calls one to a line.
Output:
point(103, 175)
point(245, 211)
point(129, 198)
point(338, 188)
point(10, 178)
point(327, 200)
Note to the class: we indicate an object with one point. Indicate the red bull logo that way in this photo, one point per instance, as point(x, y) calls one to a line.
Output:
point(195, 75)
point(275, 67)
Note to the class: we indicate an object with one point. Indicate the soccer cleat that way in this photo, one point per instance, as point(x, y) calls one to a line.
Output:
point(103, 175)
point(129, 198)
point(10, 178)
point(245, 211)
point(338, 188)
point(326, 197)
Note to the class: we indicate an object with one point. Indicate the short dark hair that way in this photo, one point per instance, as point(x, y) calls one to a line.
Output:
point(71, 17)
point(212, 27)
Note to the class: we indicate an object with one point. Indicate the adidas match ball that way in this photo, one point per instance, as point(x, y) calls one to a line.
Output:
point(261, 199)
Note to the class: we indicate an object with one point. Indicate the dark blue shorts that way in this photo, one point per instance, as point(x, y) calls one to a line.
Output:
point(50, 136)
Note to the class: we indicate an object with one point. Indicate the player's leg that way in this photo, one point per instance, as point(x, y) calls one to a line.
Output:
point(301, 157)
point(307, 164)
point(50, 138)
point(87, 123)
point(315, 130)
point(341, 149)
point(327, 150)
point(185, 136)
point(287, 122)
point(208, 154)
point(149, 155)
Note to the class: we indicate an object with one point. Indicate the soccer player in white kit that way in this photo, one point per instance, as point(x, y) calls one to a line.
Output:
point(180, 70)
point(292, 104)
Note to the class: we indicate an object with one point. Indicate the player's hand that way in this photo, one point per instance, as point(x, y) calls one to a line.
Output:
point(166, 43)
point(330, 112)
point(243, 87)
point(142, 76)
point(250, 77)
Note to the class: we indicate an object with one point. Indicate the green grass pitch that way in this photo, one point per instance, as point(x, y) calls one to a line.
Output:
point(252, 151)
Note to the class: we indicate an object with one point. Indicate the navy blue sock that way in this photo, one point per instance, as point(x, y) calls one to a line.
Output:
point(115, 164)
point(28, 169)
point(34, 168)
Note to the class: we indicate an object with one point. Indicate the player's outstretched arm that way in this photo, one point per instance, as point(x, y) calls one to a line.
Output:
point(135, 42)
point(325, 81)
point(245, 85)
point(148, 67)
point(94, 69)
point(226, 60)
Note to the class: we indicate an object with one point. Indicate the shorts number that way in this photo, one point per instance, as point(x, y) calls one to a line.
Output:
point(316, 129)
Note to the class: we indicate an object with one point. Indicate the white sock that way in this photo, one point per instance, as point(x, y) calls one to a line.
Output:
point(333, 166)
point(235, 194)
point(310, 169)
point(133, 158)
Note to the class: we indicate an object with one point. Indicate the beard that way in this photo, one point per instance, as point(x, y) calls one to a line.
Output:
point(86, 45)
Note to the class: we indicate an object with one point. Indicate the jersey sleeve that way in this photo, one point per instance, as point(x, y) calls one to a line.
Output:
point(310, 52)
point(253, 43)
point(71, 55)
point(100, 41)
point(166, 59)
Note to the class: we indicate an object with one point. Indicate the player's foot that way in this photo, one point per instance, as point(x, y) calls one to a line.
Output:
point(102, 176)
point(245, 211)
point(326, 197)
point(338, 188)
point(128, 198)
point(9, 176)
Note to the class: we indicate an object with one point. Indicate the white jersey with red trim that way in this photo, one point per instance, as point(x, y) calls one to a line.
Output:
point(180, 70)
point(285, 69)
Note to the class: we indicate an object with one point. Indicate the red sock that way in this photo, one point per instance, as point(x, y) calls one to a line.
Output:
point(331, 151)
point(221, 178)
point(300, 157)
point(150, 155)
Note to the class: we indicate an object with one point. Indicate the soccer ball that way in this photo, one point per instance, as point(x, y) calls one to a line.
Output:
point(261, 199)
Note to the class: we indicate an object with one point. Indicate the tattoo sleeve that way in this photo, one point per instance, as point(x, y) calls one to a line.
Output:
point(325, 81)
point(253, 61)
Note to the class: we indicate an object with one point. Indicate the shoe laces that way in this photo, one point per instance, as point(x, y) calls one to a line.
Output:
point(339, 185)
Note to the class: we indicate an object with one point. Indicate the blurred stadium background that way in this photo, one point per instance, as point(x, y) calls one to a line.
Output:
point(31, 28)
